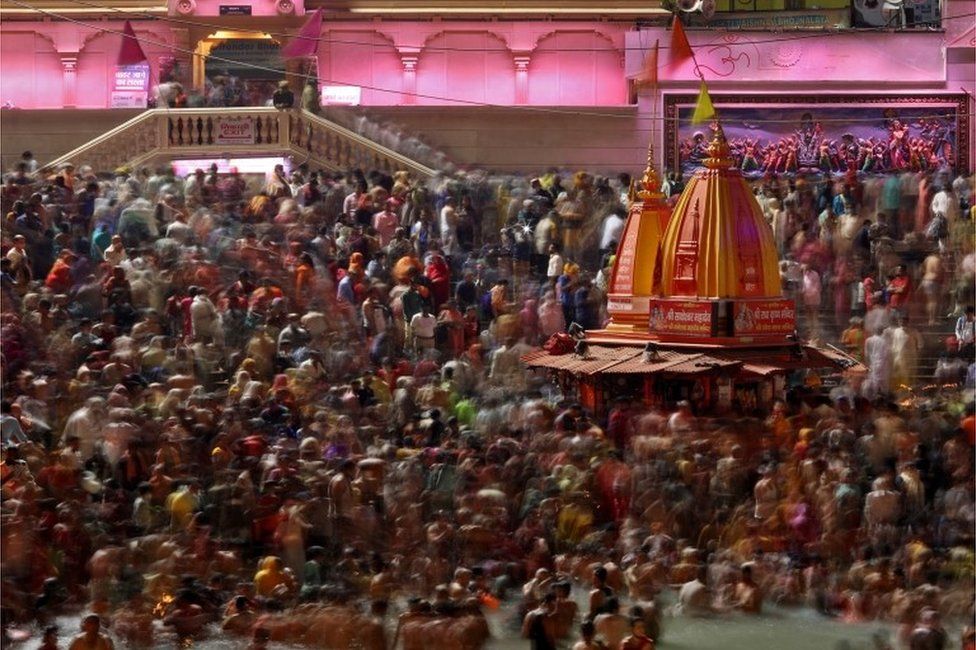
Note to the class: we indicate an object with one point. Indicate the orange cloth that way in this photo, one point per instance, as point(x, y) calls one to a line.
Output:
point(59, 278)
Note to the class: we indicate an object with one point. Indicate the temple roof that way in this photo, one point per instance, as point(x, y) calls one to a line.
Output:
point(717, 243)
point(633, 269)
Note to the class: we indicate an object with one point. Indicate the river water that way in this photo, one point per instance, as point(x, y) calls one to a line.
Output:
point(775, 629)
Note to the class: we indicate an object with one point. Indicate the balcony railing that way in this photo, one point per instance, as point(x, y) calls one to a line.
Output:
point(236, 132)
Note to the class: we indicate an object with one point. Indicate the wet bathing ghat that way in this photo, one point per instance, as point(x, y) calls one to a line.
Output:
point(161, 135)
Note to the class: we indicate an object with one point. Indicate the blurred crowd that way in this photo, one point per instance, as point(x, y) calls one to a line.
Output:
point(292, 407)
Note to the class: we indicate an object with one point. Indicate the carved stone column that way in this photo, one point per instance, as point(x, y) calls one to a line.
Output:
point(521, 60)
point(69, 71)
point(408, 59)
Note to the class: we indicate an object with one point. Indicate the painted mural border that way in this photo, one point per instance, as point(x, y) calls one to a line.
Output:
point(957, 101)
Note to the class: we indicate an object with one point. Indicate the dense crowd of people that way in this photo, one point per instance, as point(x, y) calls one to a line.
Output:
point(294, 409)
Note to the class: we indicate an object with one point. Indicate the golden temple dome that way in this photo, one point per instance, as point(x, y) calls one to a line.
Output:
point(717, 244)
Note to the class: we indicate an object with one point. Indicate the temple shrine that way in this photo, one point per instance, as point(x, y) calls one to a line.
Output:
point(696, 305)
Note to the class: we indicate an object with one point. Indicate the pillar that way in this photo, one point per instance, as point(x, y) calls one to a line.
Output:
point(182, 55)
point(521, 60)
point(69, 70)
point(200, 54)
point(408, 59)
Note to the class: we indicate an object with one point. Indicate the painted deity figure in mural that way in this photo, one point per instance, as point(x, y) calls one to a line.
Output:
point(897, 144)
point(900, 140)
point(808, 136)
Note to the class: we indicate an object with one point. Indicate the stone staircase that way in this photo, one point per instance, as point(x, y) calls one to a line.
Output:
point(168, 134)
point(933, 339)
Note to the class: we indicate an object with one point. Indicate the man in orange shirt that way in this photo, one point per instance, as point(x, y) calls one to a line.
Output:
point(59, 278)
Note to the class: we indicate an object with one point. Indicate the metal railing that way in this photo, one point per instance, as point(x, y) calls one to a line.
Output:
point(235, 132)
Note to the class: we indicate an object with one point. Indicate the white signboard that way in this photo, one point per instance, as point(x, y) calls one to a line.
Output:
point(341, 95)
point(235, 130)
point(128, 99)
point(132, 77)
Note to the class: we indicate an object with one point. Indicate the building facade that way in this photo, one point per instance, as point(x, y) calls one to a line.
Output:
point(571, 64)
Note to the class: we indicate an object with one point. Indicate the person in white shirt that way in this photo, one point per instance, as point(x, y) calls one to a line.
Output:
point(556, 263)
point(20, 266)
point(448, 227)
point(613, 228)
point(882, 504)
point(682, 420)
point(945, 203)
point(422, 328)
point(204, 319)
point(115, 254)
point(295, 185)
point(545, 233)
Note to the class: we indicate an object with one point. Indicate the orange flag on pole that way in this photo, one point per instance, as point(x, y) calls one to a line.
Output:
point(680, 47)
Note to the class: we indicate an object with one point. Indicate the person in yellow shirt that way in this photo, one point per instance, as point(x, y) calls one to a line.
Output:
point(270, 576)
point(181, 504)
point(574, 520)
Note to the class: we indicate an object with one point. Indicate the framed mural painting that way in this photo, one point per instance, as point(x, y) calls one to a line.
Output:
point(824, 134)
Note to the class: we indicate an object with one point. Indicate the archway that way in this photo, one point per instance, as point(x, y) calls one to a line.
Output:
point(244, 66)
point(468, 67)
point(576, 68)
point(33, 76)
point(362, 58)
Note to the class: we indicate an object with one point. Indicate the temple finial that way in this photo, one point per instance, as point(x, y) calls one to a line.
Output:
point(650, 183)
point(719, 153)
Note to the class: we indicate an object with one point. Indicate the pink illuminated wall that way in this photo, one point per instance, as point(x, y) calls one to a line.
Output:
point(471, 62)
point(50, 65)
point(188, 9)
point(32, 73)
point(447, 62)
point(362, 58)
point(96, 67)
point(447, 68)
point(591, 75)
point(57, 65)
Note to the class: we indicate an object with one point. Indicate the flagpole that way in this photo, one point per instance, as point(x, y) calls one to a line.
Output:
point(655, 133)
point(698, 70)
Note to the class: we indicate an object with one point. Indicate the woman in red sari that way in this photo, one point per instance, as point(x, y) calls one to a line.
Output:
point(439, 275)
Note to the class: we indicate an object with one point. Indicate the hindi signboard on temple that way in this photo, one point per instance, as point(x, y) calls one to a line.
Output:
point(130, 87)
point(245, 58)
point(681, 318)
point(764, 317)
point(624, 279)
point(236, 130)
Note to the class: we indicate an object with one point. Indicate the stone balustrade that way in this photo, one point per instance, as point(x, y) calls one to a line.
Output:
point(168, 134)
